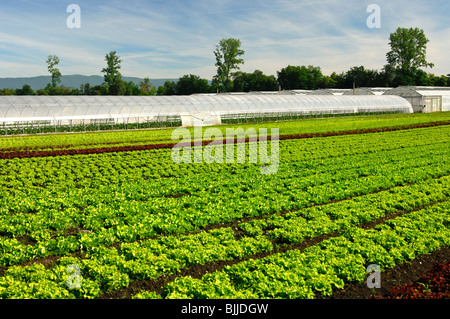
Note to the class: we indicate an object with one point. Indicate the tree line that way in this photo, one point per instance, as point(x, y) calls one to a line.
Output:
point(404, 62)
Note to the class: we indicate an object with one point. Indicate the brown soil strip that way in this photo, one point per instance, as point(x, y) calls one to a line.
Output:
point(407, 272)
point(129, 148)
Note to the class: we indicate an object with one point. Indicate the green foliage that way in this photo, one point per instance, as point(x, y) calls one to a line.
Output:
point(25, 90)
point(408, 49)
point(52, 62)
point(227, 54)
point(256, 81)
point(169, 88)
point(407, 55)
point(191, 84)
point(300, 77)
point(112, 76)
point(145, 88)
point(322, 268)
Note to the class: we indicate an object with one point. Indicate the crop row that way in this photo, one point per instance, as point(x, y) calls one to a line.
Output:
point(112, 220)
point(57, 221)
point(121, 168)
point(114, 217)
point(325, 267)
point(107, 269)
point(156, 146)
point(103, 139)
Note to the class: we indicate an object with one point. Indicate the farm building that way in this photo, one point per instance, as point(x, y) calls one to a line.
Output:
point(424, 99)
point(54, 111)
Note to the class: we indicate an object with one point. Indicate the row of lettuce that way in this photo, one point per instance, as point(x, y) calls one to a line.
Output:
point(107, 269)
point(325, 267)
point(101, 139)
point(36, 222)
point(122, 217)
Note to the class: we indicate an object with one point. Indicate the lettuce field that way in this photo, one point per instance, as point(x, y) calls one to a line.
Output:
point(109, 215)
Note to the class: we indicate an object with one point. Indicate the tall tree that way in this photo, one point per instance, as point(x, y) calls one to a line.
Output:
point(112, 74)
point(52, 62)
point(227, 53)
point(408, 53)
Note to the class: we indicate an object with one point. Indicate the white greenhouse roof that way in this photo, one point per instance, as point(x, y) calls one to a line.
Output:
point(329, 92)
point(433, 92)
point(415, 91)
point(29, 108)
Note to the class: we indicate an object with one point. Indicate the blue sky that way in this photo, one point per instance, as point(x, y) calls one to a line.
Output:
point(170, 38)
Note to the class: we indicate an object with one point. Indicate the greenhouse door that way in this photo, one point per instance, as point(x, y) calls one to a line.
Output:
point(432, 104)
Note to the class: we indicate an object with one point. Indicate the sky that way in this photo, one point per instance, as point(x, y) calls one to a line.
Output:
point(172, 38)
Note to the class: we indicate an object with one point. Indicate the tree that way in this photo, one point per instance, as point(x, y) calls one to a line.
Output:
point(191, 84)
point(6, 91)
point(362, 77)
point(85, 89)
point(289, 77)
point(146, 88)
point(388, 75)
point(408, 54)
point(25, 90)
point(118, 87)
point(435, 80)
point(256, 81)
point(62, 90)
point(300, 77)
point(52, 62)
point(99, 89)
point(43, 91)
point(169, 88)
point(112, 74)
point(328, 82)
point(227, 55)
point(131, 88)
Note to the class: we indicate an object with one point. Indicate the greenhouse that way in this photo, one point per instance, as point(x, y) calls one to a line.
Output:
point(424, 99)
point(41, 114)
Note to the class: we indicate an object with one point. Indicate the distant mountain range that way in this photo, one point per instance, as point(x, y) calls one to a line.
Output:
point(70, 81)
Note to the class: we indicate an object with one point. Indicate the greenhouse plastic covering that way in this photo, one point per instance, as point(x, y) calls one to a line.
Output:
point(63, 108)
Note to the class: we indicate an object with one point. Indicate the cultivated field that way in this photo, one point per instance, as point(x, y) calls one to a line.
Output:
point(110, 215)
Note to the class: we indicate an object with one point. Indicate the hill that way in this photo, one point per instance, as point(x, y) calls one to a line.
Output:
point(70, 81)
